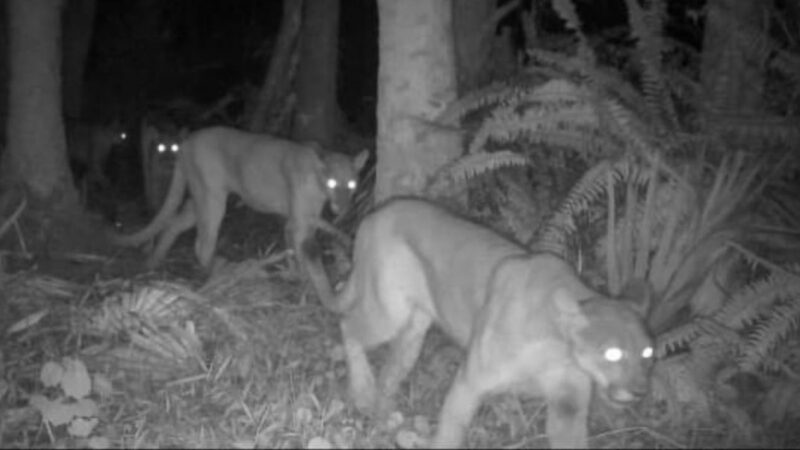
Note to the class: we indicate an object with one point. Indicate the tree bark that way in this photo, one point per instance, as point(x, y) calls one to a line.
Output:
point(317, 109)
point(36, 156)
point(146, 53)
point(78, 27)
point(272, 96)
point(472, 40)
point(4, 59)
point(416, 81)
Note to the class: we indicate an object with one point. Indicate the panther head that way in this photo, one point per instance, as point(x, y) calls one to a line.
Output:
point(615, 349)
point(609, 341)
point(339, 176)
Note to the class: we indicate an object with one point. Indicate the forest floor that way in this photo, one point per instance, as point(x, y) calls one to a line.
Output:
point(112, 355)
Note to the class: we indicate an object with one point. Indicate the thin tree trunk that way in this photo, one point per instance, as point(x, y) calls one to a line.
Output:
point(78, 28)
point(472, 40)
point(36, 156)
point(481, 54)
point(416, 81)
point(4, 72)
point(277, 81)
point(317, 109)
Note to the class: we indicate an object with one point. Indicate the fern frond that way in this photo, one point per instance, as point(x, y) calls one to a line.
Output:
point(782, 320)
point(746, 306)
point(757, 128)
point(628, 128)
point(677, 338)
point(497, 92)
point(460, 170)
point(556, 65)
point(566, 10)
point(646, 28)
point(520, 212)
point(590, 188)
point(681, 338)
point(558, 114)
point(682, 86)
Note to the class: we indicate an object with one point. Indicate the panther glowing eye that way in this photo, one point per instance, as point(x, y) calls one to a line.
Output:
point(613, 354)
point(123, 136)
point(647, 352)
point(331, 183)
point(174, 148)
point(162, 148)
point(351, 185)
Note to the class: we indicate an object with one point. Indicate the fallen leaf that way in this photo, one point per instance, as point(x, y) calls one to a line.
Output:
point(27, 322)
point(319, 442)
point(409, 439)
point(81, 426)
point(395, 420)
point(98, 442)
point(76, 381)
point(51, 374)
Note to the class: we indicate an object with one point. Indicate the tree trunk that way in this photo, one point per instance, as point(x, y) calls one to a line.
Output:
point(481, 54)
point(317, 109)
point(36, 156)
point(732, 71)
point(78, 27)
point(272, 97)
point(472, 32)
point(3, 73)
point(146, 53)
point(416, 81)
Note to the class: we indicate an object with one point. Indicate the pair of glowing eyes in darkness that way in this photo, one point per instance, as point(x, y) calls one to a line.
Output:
point(171, 147)
point(332, 184)
point(615, 354)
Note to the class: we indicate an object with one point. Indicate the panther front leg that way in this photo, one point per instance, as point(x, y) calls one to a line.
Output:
point(568, 395)
point(309, 256)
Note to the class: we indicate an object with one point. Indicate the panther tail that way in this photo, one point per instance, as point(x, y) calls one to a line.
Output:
point(175, 195)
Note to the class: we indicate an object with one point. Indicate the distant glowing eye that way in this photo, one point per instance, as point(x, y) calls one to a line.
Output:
point(647, 352)
point(175, 148)
point(613, 354)
point(162, 148)
point(123, 136)
point(331, 183)
point(351, 185)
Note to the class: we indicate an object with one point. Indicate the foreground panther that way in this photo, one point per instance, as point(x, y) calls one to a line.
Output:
point(528, 322)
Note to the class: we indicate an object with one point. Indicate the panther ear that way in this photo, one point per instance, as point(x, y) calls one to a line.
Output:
point(361, 159)
point(638, 294)
point(570, 316)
